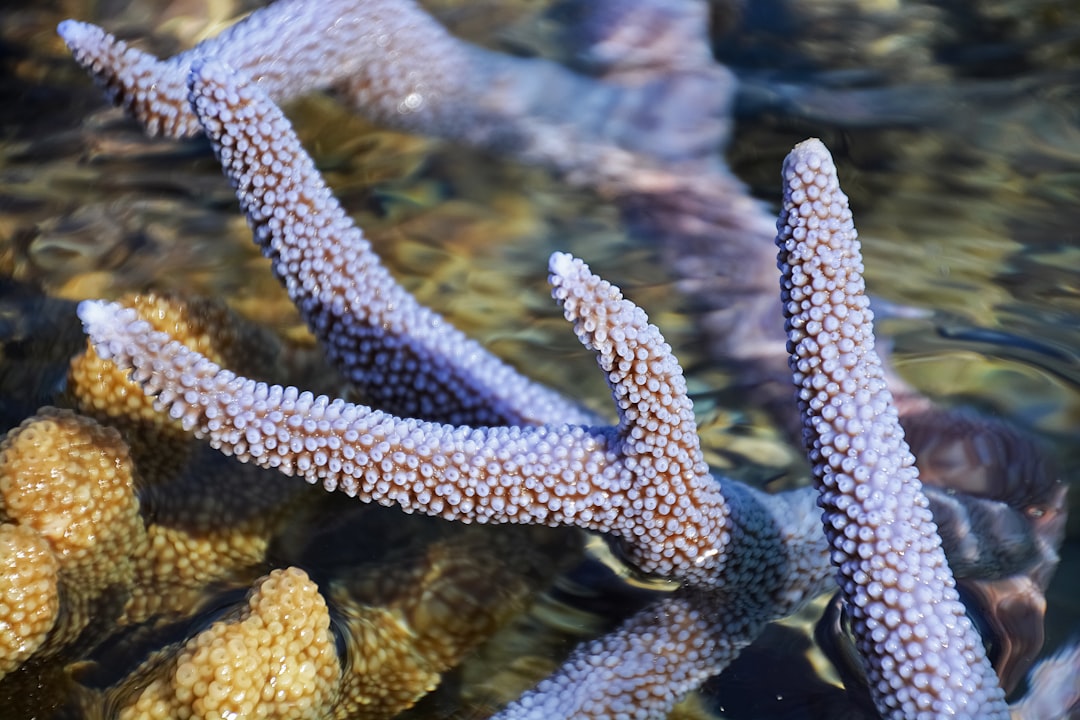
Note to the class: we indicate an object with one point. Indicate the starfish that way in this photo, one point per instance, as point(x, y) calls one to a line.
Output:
point(642, 482)
point(384, 319)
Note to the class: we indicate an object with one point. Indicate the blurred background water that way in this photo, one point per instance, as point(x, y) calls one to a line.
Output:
point(955, 125)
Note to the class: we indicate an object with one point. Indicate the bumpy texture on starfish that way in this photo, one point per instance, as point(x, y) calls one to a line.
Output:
point(532, 475)
point(403, 69)
point(159, 446)
point(642, 669)
point(615, 482)
point(193, 536)
point(402, 356)
point(924, 657)
point(643, 482)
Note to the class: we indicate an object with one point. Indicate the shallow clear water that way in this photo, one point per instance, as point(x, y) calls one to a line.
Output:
point(955, 126)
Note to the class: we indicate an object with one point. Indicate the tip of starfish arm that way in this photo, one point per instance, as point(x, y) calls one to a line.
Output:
point(92, 48)
point(811, 154)
point(106, 58)
point(811, 147)
point(107, 324)
point(148, 89)
point(562, 265)
point(75, 33)
point(96, 314)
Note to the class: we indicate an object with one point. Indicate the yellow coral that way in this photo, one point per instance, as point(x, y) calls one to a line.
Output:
point(29, 601)
point(70, 480)
point(274, 658)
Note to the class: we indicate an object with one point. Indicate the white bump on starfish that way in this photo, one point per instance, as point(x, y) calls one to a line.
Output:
point(924, 657)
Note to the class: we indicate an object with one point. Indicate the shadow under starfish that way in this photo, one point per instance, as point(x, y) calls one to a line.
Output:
point(744, 557)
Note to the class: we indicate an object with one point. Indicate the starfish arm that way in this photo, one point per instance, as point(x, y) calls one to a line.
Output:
point(405, 358)
point(924, 658)
point(656, 657)
point(663, 99)
point(460, 473)
point(642, 669)
point(647, 493)
point(657, 429)
point(150, 90)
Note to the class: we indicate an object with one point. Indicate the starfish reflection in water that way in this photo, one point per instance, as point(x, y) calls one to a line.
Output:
point(743, 557)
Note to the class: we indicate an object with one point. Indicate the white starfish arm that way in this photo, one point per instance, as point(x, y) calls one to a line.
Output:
point(642, 669)
point(924, 658)
point(401, 68)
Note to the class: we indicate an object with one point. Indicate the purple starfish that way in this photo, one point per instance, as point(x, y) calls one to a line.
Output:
point(745, 557)
point(660, 477)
